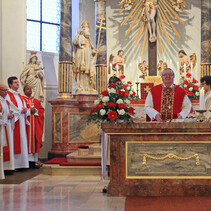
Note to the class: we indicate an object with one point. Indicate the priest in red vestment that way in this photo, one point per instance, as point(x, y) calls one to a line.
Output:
point(167, 101)
point(18, 107)
point(35, 129)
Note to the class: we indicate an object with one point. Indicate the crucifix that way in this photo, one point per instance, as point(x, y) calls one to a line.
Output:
point(102, 25)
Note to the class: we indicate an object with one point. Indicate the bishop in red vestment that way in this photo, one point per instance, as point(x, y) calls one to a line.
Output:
point(167, 101)
point(35, 129)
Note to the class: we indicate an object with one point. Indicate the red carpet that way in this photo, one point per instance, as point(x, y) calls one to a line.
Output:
point(168, 204)
point(63, 162)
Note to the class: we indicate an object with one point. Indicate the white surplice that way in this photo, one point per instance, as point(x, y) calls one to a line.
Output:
point(151, 112)
point(8, 165)
point(21, 160)
point(207, 101)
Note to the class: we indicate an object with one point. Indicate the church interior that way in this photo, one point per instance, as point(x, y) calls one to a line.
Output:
point(118, 93)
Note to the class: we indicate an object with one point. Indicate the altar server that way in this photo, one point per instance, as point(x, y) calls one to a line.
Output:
point(18, 106)
point(167, 101)
point(35, 128)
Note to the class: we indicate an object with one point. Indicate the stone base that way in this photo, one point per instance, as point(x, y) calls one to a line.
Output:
point(162, 187)
point(57, 170)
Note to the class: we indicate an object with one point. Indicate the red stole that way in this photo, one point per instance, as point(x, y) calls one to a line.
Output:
point(16, 133)
point(164, 98)
point(6, 149)
point(35, 129)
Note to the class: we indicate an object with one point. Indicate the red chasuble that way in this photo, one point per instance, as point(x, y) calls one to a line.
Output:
point(6, 149)
point(168, 101)
point(16, 132)
point(35, 129)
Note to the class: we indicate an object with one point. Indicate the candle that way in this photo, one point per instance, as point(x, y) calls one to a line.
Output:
point(124, 67)
point(201, 99)
point(185, 71)
point(137, 71)
point(191, 71)
point(110, 67)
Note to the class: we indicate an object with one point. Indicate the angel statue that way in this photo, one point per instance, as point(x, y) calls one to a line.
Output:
point(143, 67)
point(33, 75)
point(126, 4)
point(117, 63)
point(161, 66)
point(178, 5)
point(186, 63)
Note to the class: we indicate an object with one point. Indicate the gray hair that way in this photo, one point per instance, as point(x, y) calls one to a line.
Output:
point(168, 69)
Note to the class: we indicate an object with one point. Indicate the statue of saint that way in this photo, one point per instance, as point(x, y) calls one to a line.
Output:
point(161, 66)
point(83, 59)
point(33, 75)
point(143, 67)
point(118, 63)
point(151, 9)
point(184, 61)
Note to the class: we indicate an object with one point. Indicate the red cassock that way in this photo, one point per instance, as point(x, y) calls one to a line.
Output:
point(6, 149)
point(35, 129)
point(168, 101)
point(16, 132)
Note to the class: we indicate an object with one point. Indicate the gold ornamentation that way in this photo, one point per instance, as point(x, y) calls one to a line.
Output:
point(147, 89)
point(85, 24)
point(171, 156)
point(102, 25)
point(156, 80)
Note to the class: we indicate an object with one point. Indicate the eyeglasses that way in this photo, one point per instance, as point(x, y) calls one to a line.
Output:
point(170, 75)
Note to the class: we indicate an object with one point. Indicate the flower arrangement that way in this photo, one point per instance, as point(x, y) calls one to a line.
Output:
point(113, 104)
point(191, 87)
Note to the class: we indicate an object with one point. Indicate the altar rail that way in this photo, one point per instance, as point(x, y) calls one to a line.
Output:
point(205, 69)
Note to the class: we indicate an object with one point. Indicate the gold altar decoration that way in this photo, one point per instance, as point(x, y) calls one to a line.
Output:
point(102, 77)
point(65, 79)
point(156, 80)
point(142, 13)
point(205, 69)
point(102, 25)
point(171, 156)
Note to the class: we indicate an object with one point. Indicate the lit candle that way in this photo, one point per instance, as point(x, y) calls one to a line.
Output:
point(110, 66)
point(201, 99)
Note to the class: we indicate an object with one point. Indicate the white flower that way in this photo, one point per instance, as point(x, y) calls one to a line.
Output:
point(119, 101)
point(122, 90)
point(127, 101)
point(121, 112)
point(185, 85)
point(112, 90)
point(197, 93)
point(96, 102)
point(102, 112)
point(105, 99)
point(131, 92)
point(191, 89)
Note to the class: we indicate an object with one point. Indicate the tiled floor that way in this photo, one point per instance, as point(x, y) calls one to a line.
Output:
point(58, 193)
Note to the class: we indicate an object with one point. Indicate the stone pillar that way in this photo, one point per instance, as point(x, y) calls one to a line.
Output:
point(205, 38)
point(65, 54)
point(101, 62)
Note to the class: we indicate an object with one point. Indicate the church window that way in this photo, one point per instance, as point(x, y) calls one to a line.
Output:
point(43, 25)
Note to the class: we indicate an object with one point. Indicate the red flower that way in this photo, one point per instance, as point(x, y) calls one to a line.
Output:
point(99, 106)
point(112, 115)
point(124, 86)
point(190, 94)
point(126, 93)
point(186, 90)
point(131, 110)
point(195, 88)
point(121, 93)
point(121, 106)
point(129, 82)
point(190, 84)
point(194, 80)
point(104, 93)
point(111, 86)
point(92, 111)
point(134, 93)
point(188, 75)
point(122, 76)
point(185, 82)
point(112, 105)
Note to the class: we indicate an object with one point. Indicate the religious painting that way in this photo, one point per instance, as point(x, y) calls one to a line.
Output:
point(57, 121)
point(80, 131)
point(167, 160)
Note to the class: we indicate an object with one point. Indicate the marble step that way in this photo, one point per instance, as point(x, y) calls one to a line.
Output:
point(95, 149)
point(58, 170)
point(74, 157)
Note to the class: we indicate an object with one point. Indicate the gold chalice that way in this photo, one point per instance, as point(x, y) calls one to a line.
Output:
point(201, 117)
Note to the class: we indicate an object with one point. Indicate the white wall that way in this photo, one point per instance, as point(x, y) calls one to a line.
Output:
point(190, 38)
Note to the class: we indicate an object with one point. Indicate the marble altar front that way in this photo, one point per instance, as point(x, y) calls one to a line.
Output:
point(160, 159)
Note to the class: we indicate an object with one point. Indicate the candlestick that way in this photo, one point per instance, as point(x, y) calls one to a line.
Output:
point(201, 99)
point(137, 83)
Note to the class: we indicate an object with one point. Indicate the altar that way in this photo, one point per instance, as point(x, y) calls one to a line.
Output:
point(160, 159)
